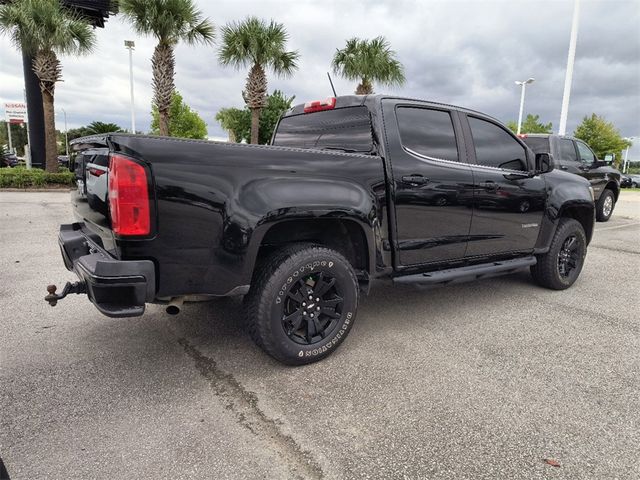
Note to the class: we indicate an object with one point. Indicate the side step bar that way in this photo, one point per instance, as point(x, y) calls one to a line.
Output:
point(466, 274)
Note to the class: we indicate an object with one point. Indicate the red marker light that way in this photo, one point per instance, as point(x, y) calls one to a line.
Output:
point(319, 105)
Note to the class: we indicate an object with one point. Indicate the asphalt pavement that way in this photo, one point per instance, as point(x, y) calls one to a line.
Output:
point(492, 379)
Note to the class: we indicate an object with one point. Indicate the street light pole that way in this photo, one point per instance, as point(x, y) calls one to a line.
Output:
point(524, 86)
point(625, 165)
point(130, 45)
point(562, 130)
point(66, 132)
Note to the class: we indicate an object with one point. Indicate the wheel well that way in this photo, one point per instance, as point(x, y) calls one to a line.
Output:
point(584, 216)
point(344, 236)
point(614, 188)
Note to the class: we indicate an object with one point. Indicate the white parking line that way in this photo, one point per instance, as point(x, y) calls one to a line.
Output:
point(617, 226)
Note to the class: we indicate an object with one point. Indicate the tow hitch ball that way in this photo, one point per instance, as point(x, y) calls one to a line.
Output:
point(75, 287)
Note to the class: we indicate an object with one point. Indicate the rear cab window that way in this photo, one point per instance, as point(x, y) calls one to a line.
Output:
point(348, 129)
point(537, 144)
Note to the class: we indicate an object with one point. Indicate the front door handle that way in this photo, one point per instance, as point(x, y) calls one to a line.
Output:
point(415, 179)
point(490, 185)
point(564, 167)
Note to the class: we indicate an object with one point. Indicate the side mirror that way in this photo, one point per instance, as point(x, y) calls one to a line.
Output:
point(609, 158)
point(544, 162)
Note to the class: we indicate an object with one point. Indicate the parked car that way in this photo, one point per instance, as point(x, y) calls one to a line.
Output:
point(302, 227)
point(573, 155)
point(9, 160)
point(626, 181)
point(63, 161)
point(635, 180)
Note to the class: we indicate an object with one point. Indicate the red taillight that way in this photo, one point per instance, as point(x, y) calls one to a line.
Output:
point(128, 197)
point(319, 105)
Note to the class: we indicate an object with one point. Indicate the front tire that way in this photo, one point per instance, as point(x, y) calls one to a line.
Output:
point(302, 303)
point(560, 267)
point(605, 205)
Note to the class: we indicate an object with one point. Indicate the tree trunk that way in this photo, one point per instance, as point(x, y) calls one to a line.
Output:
point(163, 120)
point(255, 125)
point(364, 88)
point(255, 96)
point(163, 66)
point(50, 141)
point(47, 68)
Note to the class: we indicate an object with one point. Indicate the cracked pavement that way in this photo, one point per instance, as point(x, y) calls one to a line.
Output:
point(480, 380)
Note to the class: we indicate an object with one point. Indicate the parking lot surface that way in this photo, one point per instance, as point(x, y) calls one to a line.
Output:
point(480, 380)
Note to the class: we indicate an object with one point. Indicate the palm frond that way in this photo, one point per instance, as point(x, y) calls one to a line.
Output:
point(255, 42)
point(170, 21)
point(370, 60)
point(36, 25)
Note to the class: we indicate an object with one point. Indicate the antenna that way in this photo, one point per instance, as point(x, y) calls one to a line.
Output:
point(332, 87)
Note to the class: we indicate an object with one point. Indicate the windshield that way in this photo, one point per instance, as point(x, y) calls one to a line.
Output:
point(348, 129)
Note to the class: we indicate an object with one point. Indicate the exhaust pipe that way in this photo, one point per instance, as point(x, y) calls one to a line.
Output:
point(175, 305)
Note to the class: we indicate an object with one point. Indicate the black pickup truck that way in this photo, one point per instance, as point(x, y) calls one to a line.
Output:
point(573, 155)
point(352, 189)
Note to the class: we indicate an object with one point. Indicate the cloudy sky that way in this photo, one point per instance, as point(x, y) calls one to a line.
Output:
point(467, 53)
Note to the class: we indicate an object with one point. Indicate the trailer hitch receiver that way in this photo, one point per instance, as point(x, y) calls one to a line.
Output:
point(75, 287)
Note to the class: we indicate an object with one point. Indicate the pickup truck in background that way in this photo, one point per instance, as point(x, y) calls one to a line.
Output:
point(352, 189)
point(575, 156)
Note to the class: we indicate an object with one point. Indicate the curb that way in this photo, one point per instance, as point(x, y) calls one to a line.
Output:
point(27, 190)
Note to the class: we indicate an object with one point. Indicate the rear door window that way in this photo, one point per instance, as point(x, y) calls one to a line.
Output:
point(567, 150)
point(427, 132)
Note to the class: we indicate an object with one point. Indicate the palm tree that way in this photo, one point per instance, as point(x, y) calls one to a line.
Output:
point(170, 21)
point(368, 61)
point(256, 44)
point(43, 29)
point(95, 128)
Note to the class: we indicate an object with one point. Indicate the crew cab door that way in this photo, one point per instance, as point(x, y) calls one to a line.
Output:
point(507, 204)
point(429, 181)
point(596, 177)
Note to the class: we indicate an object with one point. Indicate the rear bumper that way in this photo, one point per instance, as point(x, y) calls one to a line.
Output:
point(118, 288)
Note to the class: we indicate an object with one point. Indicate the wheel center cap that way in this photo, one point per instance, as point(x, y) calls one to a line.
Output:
point(310, 306)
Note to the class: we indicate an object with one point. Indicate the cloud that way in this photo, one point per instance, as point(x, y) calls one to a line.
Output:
point(463, 52)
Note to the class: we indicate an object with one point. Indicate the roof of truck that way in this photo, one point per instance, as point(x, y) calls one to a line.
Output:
point(343, 101)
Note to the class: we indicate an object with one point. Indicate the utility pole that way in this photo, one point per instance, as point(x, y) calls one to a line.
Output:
point(562, 130)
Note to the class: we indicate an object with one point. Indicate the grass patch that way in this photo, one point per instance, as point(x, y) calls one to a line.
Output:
point(22, 178)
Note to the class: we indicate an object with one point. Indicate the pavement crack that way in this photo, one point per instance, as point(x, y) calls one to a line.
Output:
point(620, 250)
point(243, 404)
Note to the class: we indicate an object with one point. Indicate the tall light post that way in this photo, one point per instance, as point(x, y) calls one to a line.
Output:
point(524, 86)
point(130, 45)
point(66, 132)
point(625, 165)
point(562, 130)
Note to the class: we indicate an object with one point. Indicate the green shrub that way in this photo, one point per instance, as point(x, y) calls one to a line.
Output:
point(22, 178)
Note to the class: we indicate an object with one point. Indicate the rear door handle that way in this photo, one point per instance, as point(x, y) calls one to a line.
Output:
point(415, 179)
point(490, 185)
point(564, 167)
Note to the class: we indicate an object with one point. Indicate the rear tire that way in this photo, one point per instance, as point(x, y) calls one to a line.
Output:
point(302, 303)
point(560, 267)
point(605, 205)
